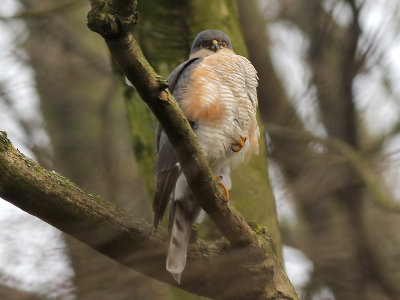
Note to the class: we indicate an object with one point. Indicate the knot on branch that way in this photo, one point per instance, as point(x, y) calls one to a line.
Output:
point(265, 238)
point(162, 82)
point(108, 20)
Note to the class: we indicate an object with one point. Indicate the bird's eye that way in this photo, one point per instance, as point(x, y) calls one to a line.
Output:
point(201, 45)
point(223, 44)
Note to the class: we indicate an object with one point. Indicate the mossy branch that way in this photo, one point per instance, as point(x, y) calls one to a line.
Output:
point(101, 225)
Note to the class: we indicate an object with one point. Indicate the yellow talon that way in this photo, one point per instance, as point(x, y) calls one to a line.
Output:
point(224, 187)
point(238, 145)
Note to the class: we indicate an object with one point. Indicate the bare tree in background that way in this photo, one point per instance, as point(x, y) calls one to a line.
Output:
point(336, 184)
point(346, 219)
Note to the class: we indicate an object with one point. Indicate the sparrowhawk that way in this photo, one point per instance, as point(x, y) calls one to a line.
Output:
point(216, 90)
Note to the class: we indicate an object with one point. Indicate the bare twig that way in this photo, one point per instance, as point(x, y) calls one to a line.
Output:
point(352, 156)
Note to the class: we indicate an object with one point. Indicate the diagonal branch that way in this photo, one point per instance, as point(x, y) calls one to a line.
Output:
point(211, 266)
point(113, 22)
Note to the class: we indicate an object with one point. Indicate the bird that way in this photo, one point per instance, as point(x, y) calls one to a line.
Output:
point(217, 91)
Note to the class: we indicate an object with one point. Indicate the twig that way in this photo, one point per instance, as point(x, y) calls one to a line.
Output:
point(380, 195)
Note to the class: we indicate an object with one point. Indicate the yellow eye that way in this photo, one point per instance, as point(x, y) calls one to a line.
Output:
point(223, 44)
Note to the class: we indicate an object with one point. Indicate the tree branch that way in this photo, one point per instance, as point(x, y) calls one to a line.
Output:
point(211, 266)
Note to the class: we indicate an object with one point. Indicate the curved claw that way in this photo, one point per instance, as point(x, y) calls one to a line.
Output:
point(236, 146)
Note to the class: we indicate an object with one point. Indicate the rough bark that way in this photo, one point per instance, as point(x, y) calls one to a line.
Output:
point(250, 272)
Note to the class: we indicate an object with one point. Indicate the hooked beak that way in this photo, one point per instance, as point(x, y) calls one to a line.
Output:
point(215, 46)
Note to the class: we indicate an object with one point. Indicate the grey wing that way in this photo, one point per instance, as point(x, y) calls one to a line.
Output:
point(167, 173)
point(172, 82)
point(167, 167)
point(175, 75)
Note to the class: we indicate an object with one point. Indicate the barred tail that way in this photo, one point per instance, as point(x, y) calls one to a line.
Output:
point(178, 243)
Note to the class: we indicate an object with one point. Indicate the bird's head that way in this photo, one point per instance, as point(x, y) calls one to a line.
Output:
point(208, 42)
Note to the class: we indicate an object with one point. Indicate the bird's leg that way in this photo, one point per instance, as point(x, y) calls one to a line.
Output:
point(236, 146)
point(224, 187)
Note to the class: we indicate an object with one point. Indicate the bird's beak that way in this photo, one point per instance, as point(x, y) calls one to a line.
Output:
point(215, 46)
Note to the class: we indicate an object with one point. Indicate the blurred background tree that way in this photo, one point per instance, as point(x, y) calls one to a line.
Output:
point(328, 99)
